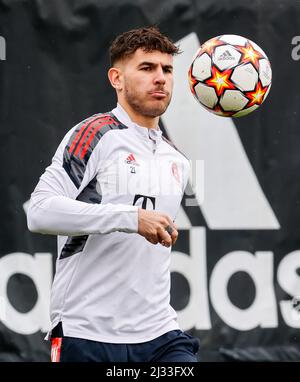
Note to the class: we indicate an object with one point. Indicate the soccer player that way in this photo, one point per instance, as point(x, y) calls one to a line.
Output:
point(111, 195)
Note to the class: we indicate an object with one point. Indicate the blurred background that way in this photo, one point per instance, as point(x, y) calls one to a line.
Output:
point(236, 264)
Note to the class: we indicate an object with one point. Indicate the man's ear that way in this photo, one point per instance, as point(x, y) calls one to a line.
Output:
point(115, 78)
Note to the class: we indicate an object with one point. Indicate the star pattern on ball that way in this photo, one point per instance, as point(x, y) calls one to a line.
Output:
point(193, 82)
point(234, 85)
point(249, 54)
point(220, 80)
point(209, 46)
point(256, 97)
point(219, 111)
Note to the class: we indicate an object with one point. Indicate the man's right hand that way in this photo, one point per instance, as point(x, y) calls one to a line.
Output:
point(152, 225)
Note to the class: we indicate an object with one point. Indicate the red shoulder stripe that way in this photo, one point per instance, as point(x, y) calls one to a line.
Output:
point(78, 135)
point(106, 121)
point(91, 126)
point(77, 138)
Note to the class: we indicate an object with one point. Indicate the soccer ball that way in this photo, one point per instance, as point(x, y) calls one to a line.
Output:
point(230, 75)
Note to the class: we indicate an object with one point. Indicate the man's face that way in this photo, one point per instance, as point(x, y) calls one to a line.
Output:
point(147, 82)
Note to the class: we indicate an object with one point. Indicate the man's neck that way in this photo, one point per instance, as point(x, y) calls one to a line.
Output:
point(141, 120)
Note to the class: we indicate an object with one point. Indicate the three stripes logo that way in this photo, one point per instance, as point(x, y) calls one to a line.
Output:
point(55, 349)
point(226, 56)
point(83, 139)
point(131, 160)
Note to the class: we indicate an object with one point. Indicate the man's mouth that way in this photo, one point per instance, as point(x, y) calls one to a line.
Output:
point(159, 93)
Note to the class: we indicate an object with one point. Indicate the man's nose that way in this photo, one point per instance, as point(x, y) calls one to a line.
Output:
point(160, 77)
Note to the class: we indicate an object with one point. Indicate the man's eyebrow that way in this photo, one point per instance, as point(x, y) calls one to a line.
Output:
point(146, 63)
point(168, 66)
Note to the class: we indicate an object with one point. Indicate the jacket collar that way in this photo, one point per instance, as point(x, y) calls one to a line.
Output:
point(144, 132)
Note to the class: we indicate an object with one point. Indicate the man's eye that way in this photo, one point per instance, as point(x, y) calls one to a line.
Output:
point(147, 68)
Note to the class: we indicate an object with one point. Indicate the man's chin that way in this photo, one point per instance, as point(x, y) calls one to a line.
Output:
point(153, 108)
point(157, 110)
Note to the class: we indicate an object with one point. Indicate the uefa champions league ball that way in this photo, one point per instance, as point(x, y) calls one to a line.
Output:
point(230, 76)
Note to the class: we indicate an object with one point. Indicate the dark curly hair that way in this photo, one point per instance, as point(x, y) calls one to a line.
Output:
point(148, 38)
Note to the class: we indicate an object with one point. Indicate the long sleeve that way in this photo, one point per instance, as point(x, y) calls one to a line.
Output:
point(53, 207)
point(60, 215)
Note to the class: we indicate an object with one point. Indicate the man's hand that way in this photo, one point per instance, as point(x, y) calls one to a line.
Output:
point(157, 227)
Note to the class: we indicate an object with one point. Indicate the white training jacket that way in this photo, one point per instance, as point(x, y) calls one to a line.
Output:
point(111, 284)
